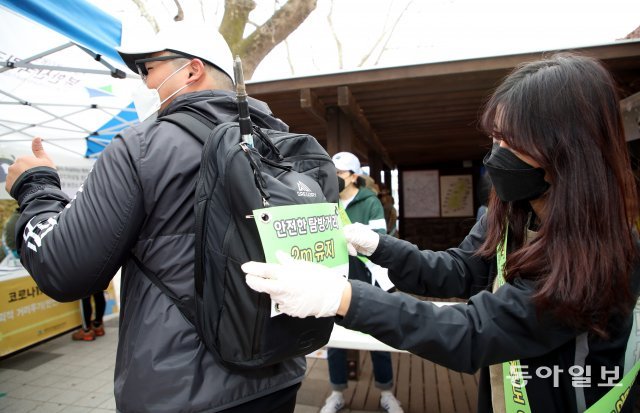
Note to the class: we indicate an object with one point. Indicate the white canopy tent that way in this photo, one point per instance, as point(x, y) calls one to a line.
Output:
point(60, 79)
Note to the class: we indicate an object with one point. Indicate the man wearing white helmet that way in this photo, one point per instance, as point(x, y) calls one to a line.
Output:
point(139, 201)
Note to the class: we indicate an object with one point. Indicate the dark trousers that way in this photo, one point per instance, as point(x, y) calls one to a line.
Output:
point(100, 303)
point(382, 370)
point(282, 401)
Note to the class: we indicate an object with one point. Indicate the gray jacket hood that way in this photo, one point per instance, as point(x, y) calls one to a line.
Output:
point(221, 106)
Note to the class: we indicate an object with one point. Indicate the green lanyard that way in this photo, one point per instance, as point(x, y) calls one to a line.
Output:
point(515, 394)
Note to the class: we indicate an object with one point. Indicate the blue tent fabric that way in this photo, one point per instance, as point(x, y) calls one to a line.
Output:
point(90, 27)
point(97, 92)
point(97, 141)
point(80, 21)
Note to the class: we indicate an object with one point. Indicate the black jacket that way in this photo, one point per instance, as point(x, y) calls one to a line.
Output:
point(490, 328)
point(139, 199)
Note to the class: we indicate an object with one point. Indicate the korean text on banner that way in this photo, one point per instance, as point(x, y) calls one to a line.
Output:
point(309, 232)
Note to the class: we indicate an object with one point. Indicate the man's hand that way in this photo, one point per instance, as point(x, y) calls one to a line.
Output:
point(300, 288)
point(23, 163)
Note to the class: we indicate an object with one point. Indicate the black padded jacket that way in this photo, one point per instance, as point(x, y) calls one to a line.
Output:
point(490, 328)
point(139, 199)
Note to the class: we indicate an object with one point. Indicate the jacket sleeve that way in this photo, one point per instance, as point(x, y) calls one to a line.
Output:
point(489, 329)
point(456, 272)
point(72, 249)
point(376, 220)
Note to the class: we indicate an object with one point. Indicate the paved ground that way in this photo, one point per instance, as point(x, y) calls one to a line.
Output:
point(61, 376)
point(77, 377)
point(73, 377)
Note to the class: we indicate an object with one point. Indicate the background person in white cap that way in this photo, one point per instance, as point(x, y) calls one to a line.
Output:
point(139, 199)
point(362, 205)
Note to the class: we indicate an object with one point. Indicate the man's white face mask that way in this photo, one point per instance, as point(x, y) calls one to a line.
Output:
point(147, 101)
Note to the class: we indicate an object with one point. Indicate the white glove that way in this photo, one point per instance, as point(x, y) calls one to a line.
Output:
point(362, 238)
point(300, 288)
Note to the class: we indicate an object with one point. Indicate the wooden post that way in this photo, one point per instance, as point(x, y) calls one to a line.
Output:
point(333, 130)
point(375, 166)
point(340, 134)
point(387, 179)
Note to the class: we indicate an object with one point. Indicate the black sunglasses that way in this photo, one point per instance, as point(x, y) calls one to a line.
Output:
point(142, 67)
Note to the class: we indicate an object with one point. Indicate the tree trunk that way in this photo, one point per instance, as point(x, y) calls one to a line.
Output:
point(634, 34)
point(267, 36)
point(264, 38)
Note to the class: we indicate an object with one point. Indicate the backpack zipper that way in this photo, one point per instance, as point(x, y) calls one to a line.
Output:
point(255, 343)
point(317, 157)
point(200, 247)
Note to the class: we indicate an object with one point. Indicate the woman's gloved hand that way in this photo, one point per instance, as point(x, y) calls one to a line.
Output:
point(300, 288)
point(362, 238)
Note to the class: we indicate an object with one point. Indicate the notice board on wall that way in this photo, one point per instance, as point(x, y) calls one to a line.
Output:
point(420, 194)
point(456, 195)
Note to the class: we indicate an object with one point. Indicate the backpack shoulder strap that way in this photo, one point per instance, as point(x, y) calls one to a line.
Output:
point(193, 123)
point(185, 308)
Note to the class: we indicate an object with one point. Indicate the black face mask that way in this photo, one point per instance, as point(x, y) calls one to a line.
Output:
point(514, 179)
point(341, 184)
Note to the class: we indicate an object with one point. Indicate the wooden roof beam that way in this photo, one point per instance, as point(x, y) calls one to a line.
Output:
point(350, 107)
point(310, 103)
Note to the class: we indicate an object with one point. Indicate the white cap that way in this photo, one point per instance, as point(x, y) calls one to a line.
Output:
point(197, 40)
point(346, 161)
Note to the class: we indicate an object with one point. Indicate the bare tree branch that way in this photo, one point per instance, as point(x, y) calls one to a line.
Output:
point(201, 8)
point(283, 22)
point(384, 34)
point(393, 28)
point(276, 6)
point(180, 13)
point(289, 59)
point(286, 18)
point(142, 7)
point(335, 36)
point(634, 34)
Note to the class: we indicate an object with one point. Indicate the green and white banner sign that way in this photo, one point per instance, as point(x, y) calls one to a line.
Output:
point(308, 232)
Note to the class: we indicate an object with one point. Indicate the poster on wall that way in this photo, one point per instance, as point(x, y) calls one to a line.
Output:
point(456, 195)
point(630, 108)
point(420, 194)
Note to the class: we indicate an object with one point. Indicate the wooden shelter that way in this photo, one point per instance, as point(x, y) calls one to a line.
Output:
point(413, 115)
point(420, 117)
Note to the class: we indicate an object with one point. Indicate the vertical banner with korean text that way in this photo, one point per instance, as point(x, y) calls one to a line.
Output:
point(309, 232)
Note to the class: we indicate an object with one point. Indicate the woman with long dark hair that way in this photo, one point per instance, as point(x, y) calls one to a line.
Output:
point(551, 270)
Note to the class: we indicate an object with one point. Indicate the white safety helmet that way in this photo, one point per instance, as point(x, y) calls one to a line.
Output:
point(192, 40)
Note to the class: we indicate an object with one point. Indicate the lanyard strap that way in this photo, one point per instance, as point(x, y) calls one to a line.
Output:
point(515, 394)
